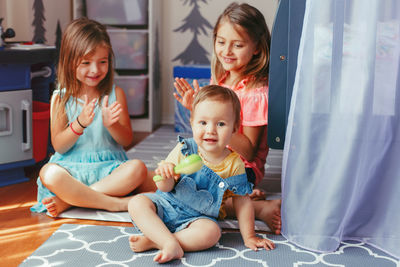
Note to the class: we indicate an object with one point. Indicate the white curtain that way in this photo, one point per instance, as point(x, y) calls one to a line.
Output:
point(341, 167)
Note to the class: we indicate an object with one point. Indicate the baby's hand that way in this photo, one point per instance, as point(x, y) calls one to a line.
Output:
point(185, 93)
point(87, 114)
point(166, 170)
point(110, 113)
point(255, 242)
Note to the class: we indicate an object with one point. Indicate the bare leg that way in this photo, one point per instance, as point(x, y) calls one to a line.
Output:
point(140, 243)
point(123, 180)
point(148, 184)
point(55, 205)
point(269, 211)
point(104, 194)
point(199, 235)
point(143, 212)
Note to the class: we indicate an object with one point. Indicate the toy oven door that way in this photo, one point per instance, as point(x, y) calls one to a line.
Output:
point(15, 126)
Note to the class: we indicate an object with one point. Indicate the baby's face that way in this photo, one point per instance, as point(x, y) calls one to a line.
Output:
point(213, 124)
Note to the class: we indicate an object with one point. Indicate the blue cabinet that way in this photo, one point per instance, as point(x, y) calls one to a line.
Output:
point(285, 40)
point(24, 76)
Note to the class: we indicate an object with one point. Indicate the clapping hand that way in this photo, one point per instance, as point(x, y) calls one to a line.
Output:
point(185, 93)
point(87, 114)
point(110, 113)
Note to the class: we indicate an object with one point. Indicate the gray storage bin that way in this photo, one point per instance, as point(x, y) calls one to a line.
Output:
point(135, 88)
point(130, 48)
point(118, 12)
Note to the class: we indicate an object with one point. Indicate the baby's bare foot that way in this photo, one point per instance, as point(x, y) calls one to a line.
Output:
point(269, 211)
point(258, 194)
point(140, 243)
point(55, 205)
point(169, 252)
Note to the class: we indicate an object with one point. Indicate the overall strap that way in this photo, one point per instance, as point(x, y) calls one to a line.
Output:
point(189, 146)
point(239, 184)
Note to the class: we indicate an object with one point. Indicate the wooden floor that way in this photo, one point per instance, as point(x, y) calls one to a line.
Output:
point(21, 231)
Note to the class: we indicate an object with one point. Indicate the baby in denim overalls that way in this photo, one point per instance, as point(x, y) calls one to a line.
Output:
point(181, 215)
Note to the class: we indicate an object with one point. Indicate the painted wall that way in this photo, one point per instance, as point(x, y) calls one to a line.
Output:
point(19, 15)
point(174, 11)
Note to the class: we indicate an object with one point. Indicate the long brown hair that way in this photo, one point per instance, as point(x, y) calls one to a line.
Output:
point(80, 39)
point(249, 19)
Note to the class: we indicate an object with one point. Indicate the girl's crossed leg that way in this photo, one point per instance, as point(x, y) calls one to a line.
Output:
point(107, 194)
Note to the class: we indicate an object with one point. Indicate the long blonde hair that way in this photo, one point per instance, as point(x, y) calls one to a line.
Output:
point(249, 19)
point(80, 39)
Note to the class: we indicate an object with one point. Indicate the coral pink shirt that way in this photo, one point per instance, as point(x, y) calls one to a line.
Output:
point(254, 104)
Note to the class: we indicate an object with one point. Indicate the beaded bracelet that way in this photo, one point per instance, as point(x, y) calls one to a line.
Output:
point(80, 124)
point(75, 132)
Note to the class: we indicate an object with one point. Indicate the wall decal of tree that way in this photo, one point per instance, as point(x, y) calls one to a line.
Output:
point(38, 20)
point(58, 40)
point(197, 24)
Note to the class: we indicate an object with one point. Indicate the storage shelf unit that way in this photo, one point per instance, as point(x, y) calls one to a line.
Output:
point(133, 28)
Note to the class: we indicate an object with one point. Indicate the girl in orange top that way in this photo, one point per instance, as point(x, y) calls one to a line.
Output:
point(240, 62)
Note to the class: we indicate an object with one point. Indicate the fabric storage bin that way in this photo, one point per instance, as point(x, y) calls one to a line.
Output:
point(135, 88)
point(118, 12)
point(130, 48)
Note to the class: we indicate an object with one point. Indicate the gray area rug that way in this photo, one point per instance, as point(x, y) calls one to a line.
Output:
point(92, 245)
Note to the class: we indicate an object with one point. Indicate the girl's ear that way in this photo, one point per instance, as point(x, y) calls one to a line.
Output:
point(257, 49)
point(235, 128)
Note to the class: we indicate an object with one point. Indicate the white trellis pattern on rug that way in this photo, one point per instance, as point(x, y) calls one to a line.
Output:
point(92, 245)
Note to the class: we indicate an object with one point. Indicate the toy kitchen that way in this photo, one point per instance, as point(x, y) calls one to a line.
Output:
point(26, 80)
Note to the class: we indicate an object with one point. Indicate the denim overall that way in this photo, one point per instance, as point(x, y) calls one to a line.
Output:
point(196, 196)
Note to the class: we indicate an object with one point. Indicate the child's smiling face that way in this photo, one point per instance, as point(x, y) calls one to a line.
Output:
point(93, 68)
point(213, 124)
point(233, 47)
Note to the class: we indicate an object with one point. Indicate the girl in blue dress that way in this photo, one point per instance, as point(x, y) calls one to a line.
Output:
point(90, 125)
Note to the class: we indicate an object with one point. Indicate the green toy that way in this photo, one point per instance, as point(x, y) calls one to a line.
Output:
point(189, 165)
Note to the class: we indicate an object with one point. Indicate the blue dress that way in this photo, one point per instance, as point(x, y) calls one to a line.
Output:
point(94, 155)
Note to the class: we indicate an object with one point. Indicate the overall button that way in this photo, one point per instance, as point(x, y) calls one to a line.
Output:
point(221, 185)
